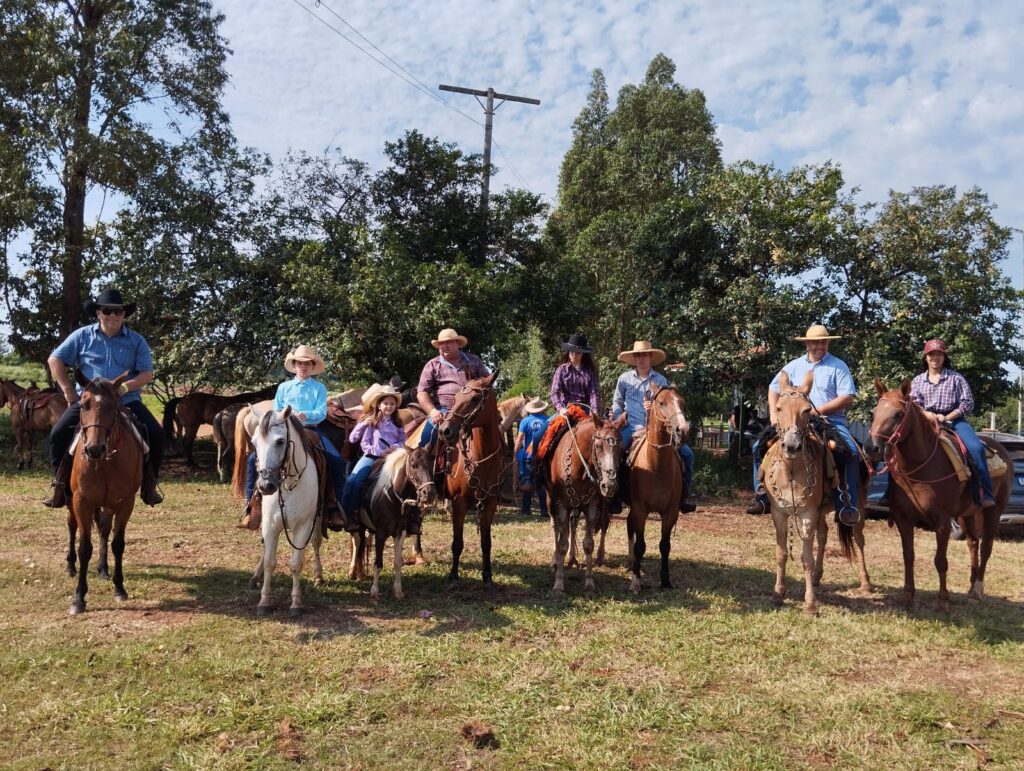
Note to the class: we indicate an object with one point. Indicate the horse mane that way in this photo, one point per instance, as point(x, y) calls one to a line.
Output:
point(509, 409)
point(390, 465)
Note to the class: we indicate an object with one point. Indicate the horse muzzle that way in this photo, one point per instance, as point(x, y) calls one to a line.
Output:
point(95, 451)
point(874, 450)
point(426, 495)
point(269, 480)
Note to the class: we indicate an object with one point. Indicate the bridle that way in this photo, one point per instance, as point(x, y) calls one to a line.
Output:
point(801, 433)
point(665, 421)
point(468, 419)
point(577, 501)
point(278, 475)
point(891, 455)
point(109, 429)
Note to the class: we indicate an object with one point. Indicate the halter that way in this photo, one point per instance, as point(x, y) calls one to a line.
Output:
point(892, 456)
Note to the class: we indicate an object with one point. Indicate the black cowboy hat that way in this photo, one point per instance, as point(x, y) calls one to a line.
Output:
point(396, 382)
point(109, 298)
point(577, 344)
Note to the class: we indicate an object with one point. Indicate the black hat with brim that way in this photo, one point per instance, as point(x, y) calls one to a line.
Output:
point(577, 344)
point(109, 298)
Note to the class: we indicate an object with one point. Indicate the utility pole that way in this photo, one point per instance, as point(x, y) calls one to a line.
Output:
point(1020, 377)
point(489, 109)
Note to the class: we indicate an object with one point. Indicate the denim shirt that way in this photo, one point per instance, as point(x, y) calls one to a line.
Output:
point(832, 378)
point(96, 354)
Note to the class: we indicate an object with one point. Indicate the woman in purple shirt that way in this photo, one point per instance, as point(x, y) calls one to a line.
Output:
point(575, 379)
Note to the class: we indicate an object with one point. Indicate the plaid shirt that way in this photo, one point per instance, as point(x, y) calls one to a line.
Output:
point(575, 385)
point(950, 393)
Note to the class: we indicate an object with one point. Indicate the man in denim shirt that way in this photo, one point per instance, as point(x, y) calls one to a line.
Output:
point(104, 350)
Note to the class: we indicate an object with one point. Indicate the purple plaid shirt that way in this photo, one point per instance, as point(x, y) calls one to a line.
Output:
point(443, 380)
point(575, 385)
point(375, 440)
point(950, 393)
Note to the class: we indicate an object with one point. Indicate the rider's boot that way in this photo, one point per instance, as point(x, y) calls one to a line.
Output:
point(59, 486)
point(759, 505)
point(151, 495)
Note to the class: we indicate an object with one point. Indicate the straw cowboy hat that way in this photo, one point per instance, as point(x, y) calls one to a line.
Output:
point(109, 298)
point(535, 406)
point(643, 346)
point(577, 344)
point(817, 332)
point(376, 392)
point(449, 334)
point(304, 353)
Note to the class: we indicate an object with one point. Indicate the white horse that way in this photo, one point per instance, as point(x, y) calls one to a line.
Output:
point(290, 487)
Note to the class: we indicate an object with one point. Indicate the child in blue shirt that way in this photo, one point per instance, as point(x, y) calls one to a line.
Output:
point(531, 431)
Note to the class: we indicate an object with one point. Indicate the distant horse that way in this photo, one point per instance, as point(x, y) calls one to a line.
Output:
point(655, 480)
point(800, 494)
point(194, 409)
point(290, 487)
point(928, 491)
point(34, 411)
point(10, 392)
point(583, 468)
point(106, 474)
point(474, 465)
point(223, 435)
point(403, 478)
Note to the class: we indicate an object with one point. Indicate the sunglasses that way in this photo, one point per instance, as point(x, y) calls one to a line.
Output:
point(112, 311)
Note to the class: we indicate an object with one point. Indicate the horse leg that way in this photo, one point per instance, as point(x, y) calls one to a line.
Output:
point(117, 546)
point(560, 522)
point(72, 528)
point(588, 543)
point(906, 528)
point(418, 551)
point(942, 565)
point(668, 521)
point(295, 563)
point(458, 525)
point(862, 565)
point(819, 554)
point(988, 536)
point(807, 559)
point(104, 520)
point(84, 555)
point(318, 568)
point(555, 530)
point(257, 575)
point(187, 440)
point(574, 523)
point(781, 555)
point(354, 542)
point(271, 533)
point(399, 541)
point(486, 517)
point(378, 563)
point(639, 545)
point(600, 546)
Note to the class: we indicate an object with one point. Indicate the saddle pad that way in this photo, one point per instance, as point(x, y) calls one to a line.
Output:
point(953, 453)
point(639, 440)
point(996, 465)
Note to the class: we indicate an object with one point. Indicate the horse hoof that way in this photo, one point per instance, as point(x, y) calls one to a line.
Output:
point(71, 572)
point(374, 595)
point(262, 611)
point(104, 574)
point(811, 611)
point(76, 608)
point(421, 560)
point(121, 596)
point(943, 606)
point(666, 586)
point(778, 598)
point(399, 595)
point(573, 563)
point(599, 562)
point(589, 586)
point(634, 586)
point(318, 581)
point(295, 612)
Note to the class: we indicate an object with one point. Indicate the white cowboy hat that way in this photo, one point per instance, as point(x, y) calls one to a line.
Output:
point(304, 353)
point(536, 405)
point(643, 346)
point(817, 332)
point(449, 334)
point(376, 392)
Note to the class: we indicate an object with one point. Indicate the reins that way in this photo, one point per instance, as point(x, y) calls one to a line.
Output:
point(269, 474)
point(469, 464)
point(892, 456)
point(656, 414)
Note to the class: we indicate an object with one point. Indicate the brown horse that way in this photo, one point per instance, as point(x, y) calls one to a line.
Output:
point(194, 409)
point(796, 484)
point(10, 392)
point(656, 479)
point(582, 469)
point(928, 491)
point(223, 435)
point(474, 466)
point(106, 473)
point(34, 411)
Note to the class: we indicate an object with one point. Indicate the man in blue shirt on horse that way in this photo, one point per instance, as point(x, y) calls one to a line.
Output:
point(104, 350)
point(832, 392)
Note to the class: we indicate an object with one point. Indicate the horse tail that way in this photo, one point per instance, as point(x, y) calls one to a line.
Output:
point(170, 418)
point(846, 540)
point(243, 446)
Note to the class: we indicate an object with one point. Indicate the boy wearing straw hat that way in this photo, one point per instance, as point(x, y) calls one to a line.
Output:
point(633, 392)
point(531, 431)
point(832, 392)
point(443, 377)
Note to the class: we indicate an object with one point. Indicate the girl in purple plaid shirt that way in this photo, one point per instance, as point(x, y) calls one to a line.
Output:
point(944, 395)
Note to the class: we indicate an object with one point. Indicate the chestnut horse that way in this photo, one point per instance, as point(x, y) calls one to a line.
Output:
point(927, 490)
point(9, 392)
point(582, 469)
point(801, 496)
point(475, 466)
point(106, 474)
point(34, 411)
point(194, 409)
point(656, 479)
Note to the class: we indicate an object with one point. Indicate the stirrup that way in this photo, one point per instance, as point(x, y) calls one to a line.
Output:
point(57, 498)
point(848, 516)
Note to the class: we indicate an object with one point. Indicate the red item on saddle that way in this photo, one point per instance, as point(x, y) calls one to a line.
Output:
point(557, 426)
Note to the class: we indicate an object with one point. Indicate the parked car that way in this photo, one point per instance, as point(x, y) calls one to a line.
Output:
point(1012, 516)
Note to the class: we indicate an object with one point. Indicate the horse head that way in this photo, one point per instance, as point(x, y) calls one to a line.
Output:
point(606, 451)
point(889, 419)
point(469, 403)
point(419, 469)
point(271, 440)
point(793, 414)
point(669, 410)
point(101, 403)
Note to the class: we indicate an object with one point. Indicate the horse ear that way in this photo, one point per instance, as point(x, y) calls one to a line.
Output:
point(120, 379)
point(808, 383)
point(620, 421)
point(880, 386)
point(905, 387)
point(265, 421)
point(493, 376)
point(286, 412)
point(598, 423)
point(784, 380)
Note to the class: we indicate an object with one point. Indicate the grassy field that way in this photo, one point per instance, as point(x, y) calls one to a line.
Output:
point(707, 675)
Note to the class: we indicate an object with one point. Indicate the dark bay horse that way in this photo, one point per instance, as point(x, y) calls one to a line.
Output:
point(224, 436)
point(801, 496)
point(34, 411)
point(582, 469)
point(106, 473)
point(475, 466)
point(194, 409)
point(928, 492)
point(656, 480)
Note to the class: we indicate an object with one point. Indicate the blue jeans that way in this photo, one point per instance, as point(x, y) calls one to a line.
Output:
point(847, 459)
point(354, 486)
point(525, 464)
point(977, 452)
point(429, 435)
point(685, 454)
point(335, 468)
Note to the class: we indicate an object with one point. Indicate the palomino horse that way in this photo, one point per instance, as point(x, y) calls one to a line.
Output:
point(656, 479)
point(194, 409)
point(797, 488)
point(34, 411)
point(927, 490)
point(474, 466)
point(582, 469)
point(290, 487)
point(403, 478)
point(106, 473)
